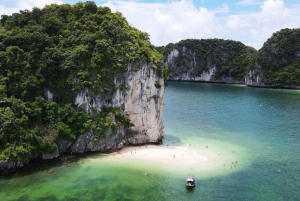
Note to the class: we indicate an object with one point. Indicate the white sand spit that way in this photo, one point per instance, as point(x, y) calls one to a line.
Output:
point(162, 154)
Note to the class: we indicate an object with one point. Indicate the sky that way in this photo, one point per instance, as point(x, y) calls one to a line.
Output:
point(251, 22)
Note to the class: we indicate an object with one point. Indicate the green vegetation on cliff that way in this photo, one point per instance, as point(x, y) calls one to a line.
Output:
point(276, 64)
point(279, 58)
point(231, 58)
point(62, 49)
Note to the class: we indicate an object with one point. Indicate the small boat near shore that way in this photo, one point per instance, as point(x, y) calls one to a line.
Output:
point(190, 180)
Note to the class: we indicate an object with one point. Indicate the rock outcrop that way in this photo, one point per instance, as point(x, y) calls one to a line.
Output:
point(254, 77)
point(277, 62)
point(142, 102)
point(211, 60)
point(7, 167)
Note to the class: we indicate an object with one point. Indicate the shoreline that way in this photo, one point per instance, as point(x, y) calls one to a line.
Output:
point(188, 157)
point(160, 154)
point(201, 160)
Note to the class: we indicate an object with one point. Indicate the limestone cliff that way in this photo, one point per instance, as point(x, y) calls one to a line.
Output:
point(277, 62)
point(142, 102)
point(254, 77)
point(211, 60)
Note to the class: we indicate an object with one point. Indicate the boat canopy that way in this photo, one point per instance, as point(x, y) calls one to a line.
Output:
point(190, 177)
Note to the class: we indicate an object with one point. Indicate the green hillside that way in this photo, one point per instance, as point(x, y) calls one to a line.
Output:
point(62, 49)
point(279, 58)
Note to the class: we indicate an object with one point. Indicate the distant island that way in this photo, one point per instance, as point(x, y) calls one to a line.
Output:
point(276, 64)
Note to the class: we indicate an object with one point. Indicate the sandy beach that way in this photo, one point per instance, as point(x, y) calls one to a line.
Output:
point(161, 154)
point(187, 157)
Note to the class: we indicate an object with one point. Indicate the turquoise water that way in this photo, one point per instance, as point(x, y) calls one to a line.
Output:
point(257, 128)
point(265, 122)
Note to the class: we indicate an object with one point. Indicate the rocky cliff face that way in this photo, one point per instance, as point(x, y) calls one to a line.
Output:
point(188, 72)
point(277, 62)
point(7, 167)
point(212, 60)
point(254, 77)
point(142, 102)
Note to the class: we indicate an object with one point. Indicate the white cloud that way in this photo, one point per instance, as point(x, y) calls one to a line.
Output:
point(7, 11)
point(248, 2)
point(258, 27)
point(169, 22)
point(177, 20)
point(274, 8)
point(224, 9)
point(234, 22)
point(28, 4)
point(25, 4)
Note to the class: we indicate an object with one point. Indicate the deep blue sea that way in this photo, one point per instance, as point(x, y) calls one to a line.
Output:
point(249, 136)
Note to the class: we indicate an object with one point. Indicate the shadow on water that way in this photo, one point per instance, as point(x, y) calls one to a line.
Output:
point(48, 166)
point(48, 198)
point(171, 140)
point(24, 197)
point(35, 166)
point(190, 190)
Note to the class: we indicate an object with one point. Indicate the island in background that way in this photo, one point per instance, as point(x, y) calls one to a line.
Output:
point(275, 65)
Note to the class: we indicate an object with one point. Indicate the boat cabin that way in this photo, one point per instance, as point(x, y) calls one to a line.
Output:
point(190, 180)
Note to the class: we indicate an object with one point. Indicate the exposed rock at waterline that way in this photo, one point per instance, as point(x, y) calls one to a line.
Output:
point(7, 167)
point(47, 156)
point(277, 62)
point(210, 60)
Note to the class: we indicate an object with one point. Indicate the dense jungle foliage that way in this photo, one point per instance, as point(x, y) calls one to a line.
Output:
point(62, 49)
point(279, 58)
point(231, 58)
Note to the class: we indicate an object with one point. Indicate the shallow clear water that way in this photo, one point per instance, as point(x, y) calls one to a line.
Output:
point(250, 133)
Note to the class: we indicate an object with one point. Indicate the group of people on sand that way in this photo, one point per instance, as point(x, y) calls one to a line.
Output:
point(233, 163)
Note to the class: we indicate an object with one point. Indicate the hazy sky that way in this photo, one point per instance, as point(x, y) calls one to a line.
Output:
point(250, 21)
